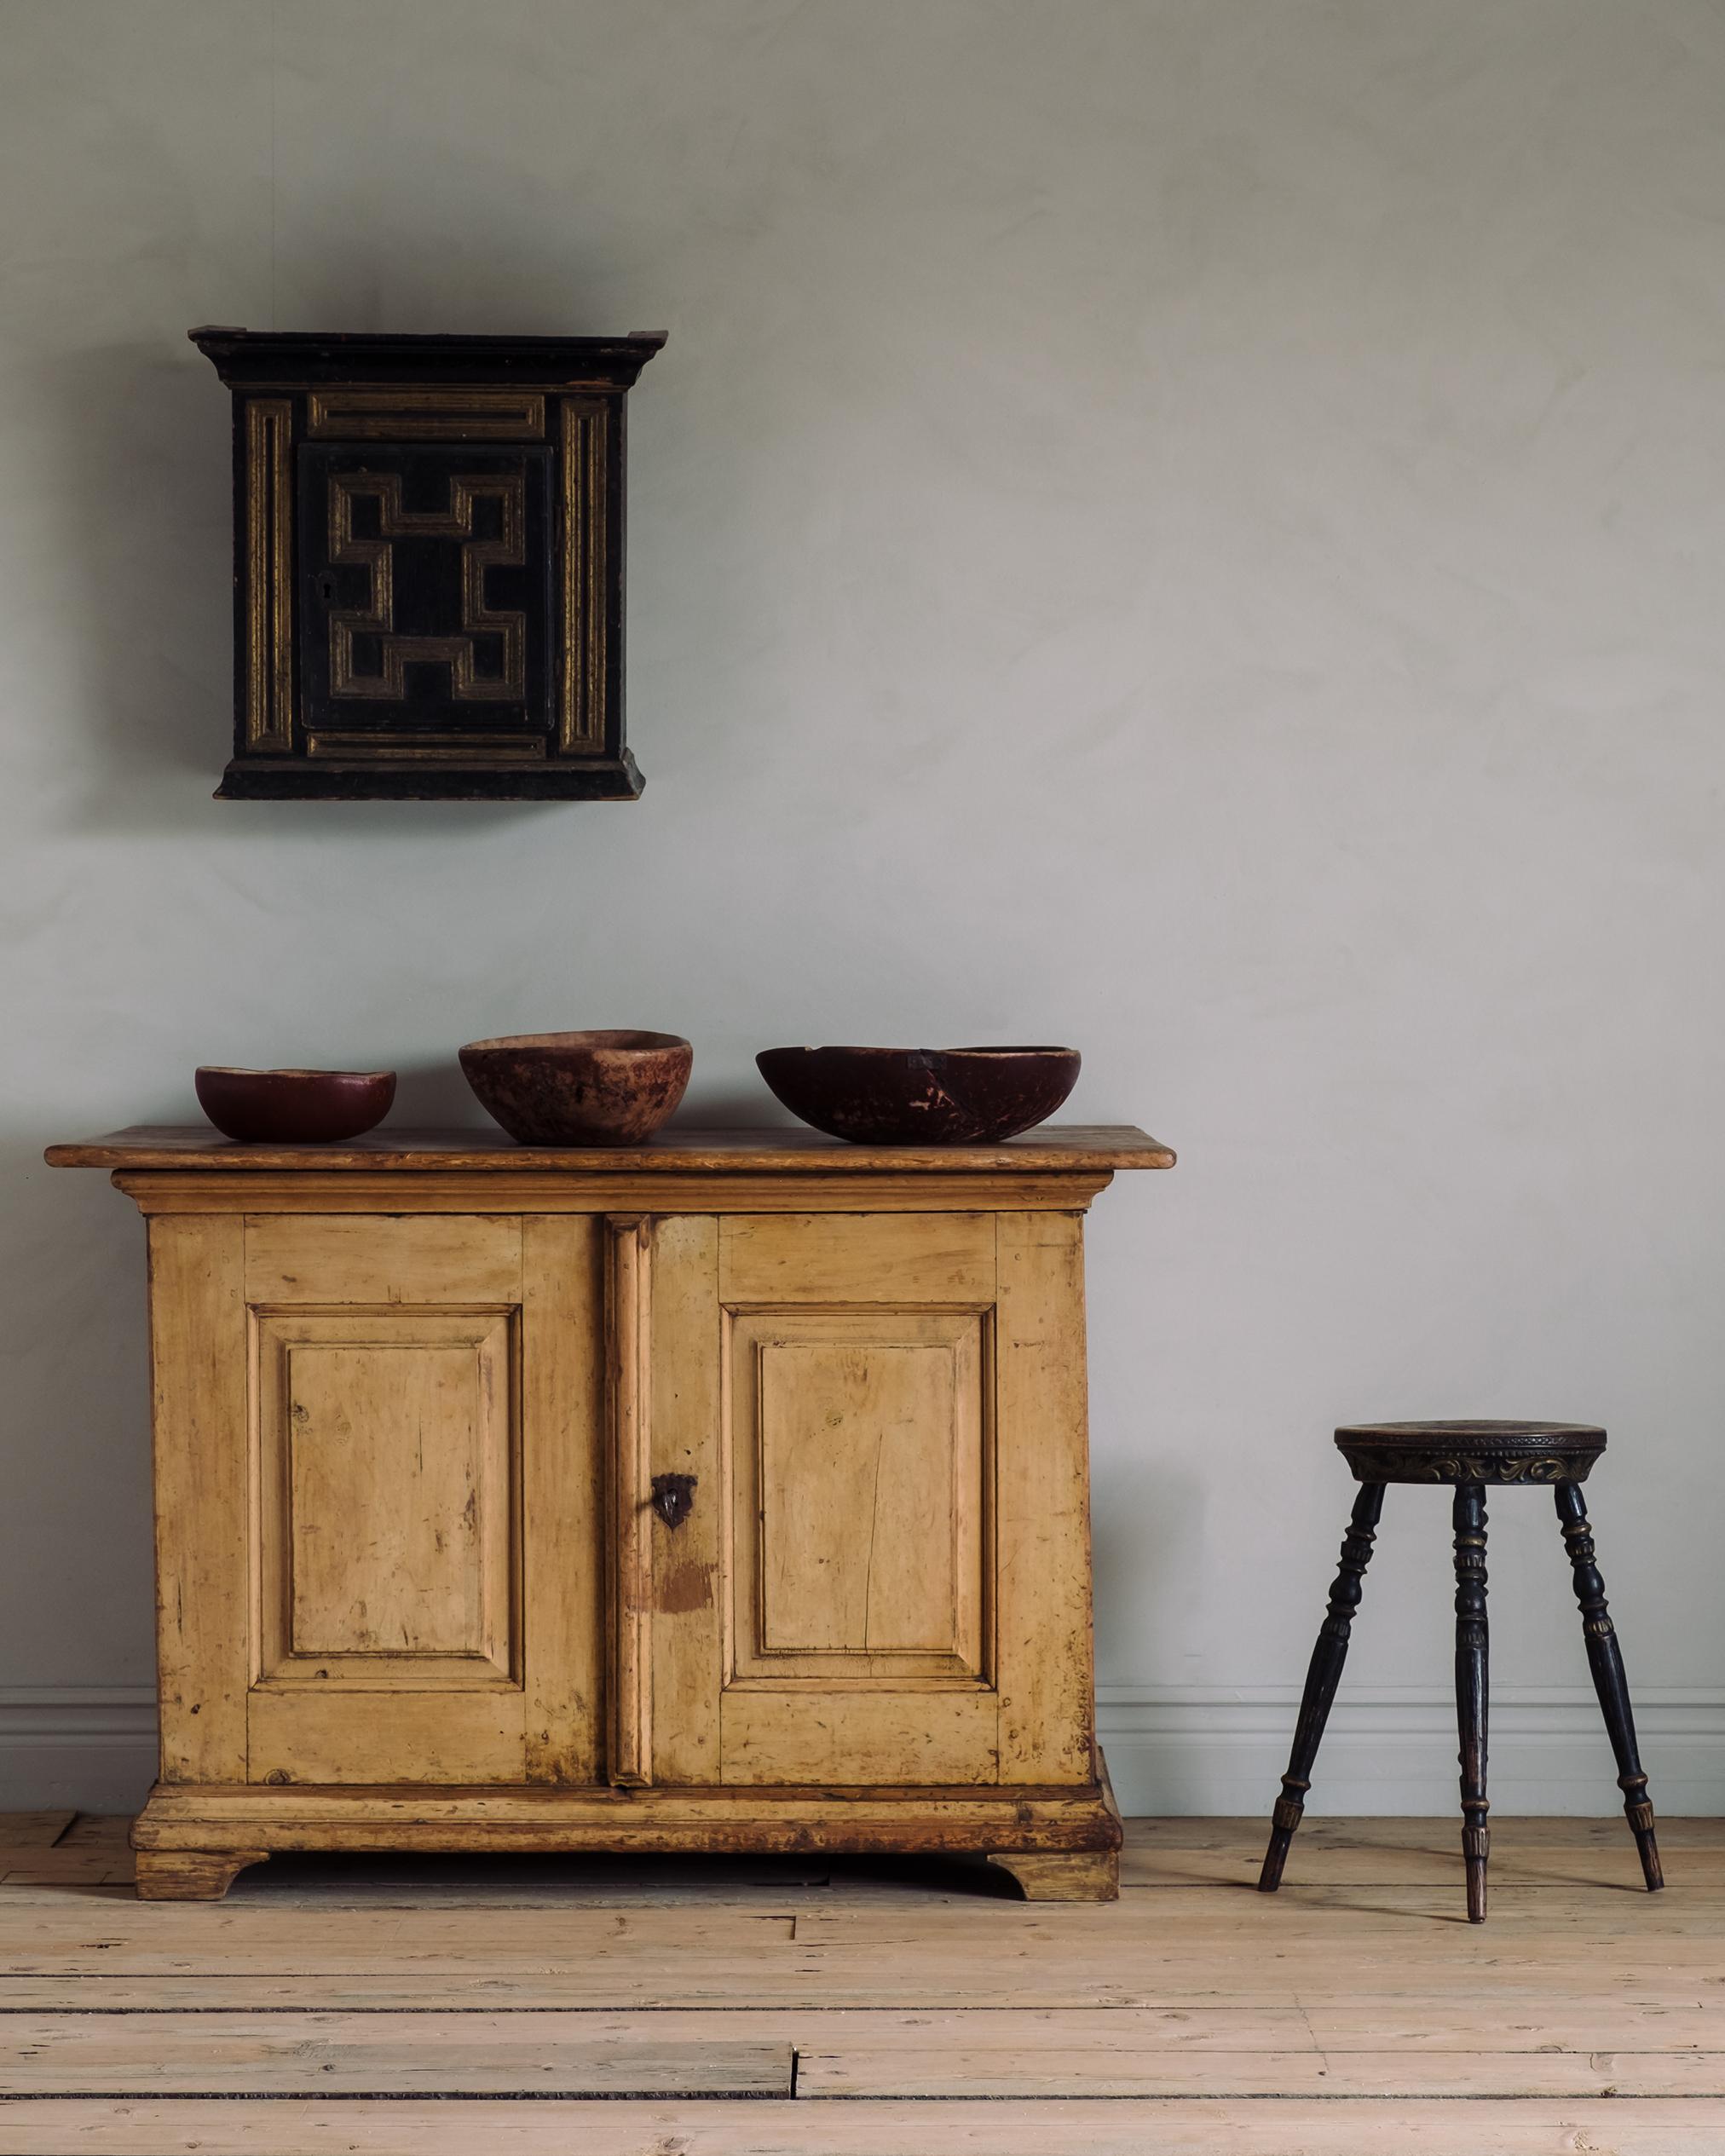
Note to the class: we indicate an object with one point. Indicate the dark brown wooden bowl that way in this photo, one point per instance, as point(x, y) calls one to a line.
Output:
point(921, 1096)
point(612, 1088)
point(293, 1107)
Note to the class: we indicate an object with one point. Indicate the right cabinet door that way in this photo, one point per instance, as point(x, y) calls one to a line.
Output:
point(883, 1577)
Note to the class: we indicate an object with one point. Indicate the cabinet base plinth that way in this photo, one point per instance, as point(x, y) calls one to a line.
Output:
point(1061, 1844)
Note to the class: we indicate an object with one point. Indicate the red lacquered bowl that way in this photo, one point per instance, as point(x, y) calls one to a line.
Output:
point(293, 1107)
point(921, 1096)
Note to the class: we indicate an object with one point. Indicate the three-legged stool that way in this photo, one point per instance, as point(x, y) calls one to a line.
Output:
point(1469, 1455)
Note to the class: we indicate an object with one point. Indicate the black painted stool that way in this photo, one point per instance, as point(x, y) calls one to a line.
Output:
point(1469, 1455)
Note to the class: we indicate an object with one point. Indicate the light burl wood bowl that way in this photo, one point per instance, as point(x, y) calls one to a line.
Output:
point(614, 1087)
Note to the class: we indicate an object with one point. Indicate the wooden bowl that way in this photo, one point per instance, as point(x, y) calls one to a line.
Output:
point(293, 1107)
point(921, 1096)
point(605, 1088)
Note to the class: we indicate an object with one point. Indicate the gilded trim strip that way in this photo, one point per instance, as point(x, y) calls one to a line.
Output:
point(268, 575)
point(410, 414)
point(379, 747)
point(585, 658)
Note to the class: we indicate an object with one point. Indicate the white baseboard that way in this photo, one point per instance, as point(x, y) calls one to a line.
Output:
point(1172, 1749)
point(79, 1748)
point(1219, 1751)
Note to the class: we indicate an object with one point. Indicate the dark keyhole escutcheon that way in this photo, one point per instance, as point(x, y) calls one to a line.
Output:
point(673, 1498)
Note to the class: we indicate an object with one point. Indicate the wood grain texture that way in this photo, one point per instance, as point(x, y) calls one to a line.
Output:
point(32, 1829)
point(420, 1816)
point(859, 1458)
point(189, 1874)
point(198, 1364)
point(387, 1561)
point(432, 1733)
point(1102, 1147)
point(389, 2055)
point(816, 1258)
point(1094, 1876)
point(562, 1480)
point(1317, 2010)
point(1042, 1481)
point(1420, 1852)
point(857, 1412)
point(182, 2126)
point(688, 1560)
point(388, 1469)
point(327, 1260)
point(1011, 2055)
point(629, 1470)
point(445, 1189)
point(836, 1733)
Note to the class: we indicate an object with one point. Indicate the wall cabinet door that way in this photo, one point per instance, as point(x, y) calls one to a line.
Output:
point(417, 1568)
point(882, 1576)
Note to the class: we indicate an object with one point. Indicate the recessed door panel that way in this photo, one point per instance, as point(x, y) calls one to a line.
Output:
point(389, 1460)
point(425, 1557)
point(858, 1493)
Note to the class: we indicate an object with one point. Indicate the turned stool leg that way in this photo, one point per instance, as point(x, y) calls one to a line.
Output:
point(1606, 1662)
point(1471, 1688)
point(1322, 1676)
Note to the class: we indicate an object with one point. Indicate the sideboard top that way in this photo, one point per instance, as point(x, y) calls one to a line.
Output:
point(792, 1149)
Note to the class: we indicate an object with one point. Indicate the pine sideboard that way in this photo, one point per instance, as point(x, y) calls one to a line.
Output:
point(729, 1494)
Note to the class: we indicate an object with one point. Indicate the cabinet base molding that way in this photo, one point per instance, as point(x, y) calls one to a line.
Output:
point(1060, 1844)
point(1085, 1875)
point(192, 1874)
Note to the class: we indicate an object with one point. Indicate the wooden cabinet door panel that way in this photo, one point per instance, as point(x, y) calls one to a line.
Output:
point(858, 1446)
point(885, 1576)
point(424, 1546)
point(389, 1483)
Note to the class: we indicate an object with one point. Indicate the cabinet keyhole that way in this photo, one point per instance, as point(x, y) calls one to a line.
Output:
point(673, 1498)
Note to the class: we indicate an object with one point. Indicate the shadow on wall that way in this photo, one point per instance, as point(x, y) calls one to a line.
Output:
point(1146, 1530)
point(76, 1430)
point(140, 527)
point(140, 521)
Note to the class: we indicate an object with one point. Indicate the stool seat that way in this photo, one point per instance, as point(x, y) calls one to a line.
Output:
point(1476, 1451)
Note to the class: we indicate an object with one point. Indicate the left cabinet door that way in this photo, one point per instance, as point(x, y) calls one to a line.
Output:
point(378, 1457)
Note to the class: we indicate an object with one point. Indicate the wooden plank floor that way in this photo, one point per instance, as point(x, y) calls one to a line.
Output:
point(388, 2007)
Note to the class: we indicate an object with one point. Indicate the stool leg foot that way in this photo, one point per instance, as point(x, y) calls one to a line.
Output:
point(1471, 1688)
point(1605, 1660)
point(1322, 1674)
